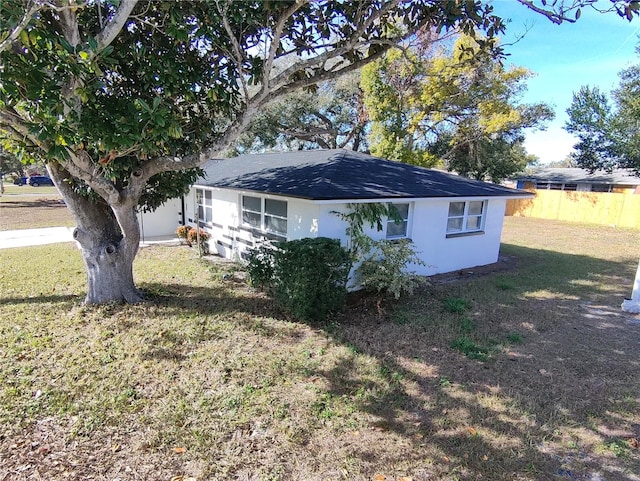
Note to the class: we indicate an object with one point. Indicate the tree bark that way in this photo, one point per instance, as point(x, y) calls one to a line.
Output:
point(109, 237)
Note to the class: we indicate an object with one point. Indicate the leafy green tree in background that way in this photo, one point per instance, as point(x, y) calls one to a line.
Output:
point(608, 129)
point(10, 164)
point(460, 108)
point(123, 100)
point(331, 116)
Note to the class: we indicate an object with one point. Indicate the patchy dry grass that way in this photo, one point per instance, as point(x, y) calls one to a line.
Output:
point(212, 382)
point(25, 207)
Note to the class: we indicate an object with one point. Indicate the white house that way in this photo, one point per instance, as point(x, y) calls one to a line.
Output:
point(454, 222)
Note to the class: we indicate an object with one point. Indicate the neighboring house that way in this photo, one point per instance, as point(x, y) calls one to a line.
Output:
point(575, 195)
point(455, 223)
point(580, 180)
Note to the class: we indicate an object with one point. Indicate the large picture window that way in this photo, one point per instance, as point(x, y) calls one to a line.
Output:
point(397, 229)
point(466, 217)
point(204, 203)
point(267, 215)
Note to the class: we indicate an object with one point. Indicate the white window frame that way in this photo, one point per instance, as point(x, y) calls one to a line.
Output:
point(405, 220)
point(264, 215)
point(465, 216)
point(205, 215)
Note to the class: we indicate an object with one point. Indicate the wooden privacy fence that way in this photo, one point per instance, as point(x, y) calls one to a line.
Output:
point(607, 208)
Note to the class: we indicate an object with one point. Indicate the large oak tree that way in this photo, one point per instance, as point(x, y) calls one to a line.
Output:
point(124, 98)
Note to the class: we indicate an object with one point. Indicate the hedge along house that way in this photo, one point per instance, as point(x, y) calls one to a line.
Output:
point(455, 223)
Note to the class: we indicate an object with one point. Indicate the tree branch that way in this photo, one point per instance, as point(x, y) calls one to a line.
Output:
point(15, 33)
point(112, 29)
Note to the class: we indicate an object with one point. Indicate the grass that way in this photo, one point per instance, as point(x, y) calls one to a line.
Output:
point(210, 381)
point(25, 207)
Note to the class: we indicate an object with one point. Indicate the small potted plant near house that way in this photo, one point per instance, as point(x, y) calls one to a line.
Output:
point(199, 237)
point(183, 234)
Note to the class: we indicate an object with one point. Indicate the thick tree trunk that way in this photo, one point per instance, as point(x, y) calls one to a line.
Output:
point(109, 238)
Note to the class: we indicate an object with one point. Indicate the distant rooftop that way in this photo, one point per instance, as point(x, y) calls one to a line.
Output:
point(573, 175)
point(341, 174)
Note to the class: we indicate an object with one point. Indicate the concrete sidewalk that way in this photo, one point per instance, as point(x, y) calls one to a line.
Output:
point(35, 237)
point(54, 235)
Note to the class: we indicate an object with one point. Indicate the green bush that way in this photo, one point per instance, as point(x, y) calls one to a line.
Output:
point(310, 277)
point(384, 268)
point(260, 266)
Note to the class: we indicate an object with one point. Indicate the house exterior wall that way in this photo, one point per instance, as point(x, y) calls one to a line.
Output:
point(427, 228)
point(163, 221)
point(229, 238)
point(444, 253)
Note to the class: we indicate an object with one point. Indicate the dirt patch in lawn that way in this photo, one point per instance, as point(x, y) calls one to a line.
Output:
point(33, 211)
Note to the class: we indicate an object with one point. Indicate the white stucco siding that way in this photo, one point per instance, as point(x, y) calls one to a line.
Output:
point(427, 228)
point(161, 222)
point(302, 218)
point(446, 254)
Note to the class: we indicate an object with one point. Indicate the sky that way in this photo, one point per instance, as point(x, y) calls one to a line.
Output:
point(565, 57)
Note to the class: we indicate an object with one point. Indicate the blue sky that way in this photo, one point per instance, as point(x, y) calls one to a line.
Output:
point(564, 57)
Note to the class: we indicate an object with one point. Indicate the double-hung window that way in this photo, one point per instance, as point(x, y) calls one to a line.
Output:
point(204, 201)
point(397, 229)
point(466, 217)
point(268, 215)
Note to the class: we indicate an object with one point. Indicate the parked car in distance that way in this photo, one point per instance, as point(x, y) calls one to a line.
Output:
point(20, 180)
point(37, 180)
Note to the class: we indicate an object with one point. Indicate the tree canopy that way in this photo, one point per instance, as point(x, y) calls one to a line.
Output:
point(607, 126)
point(460, 108)
point(331, 116)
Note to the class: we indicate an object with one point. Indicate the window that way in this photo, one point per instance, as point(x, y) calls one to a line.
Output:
point(267, 215)
point(398, 229)
point(465, 217)
point(204, 202)
point(600, 188)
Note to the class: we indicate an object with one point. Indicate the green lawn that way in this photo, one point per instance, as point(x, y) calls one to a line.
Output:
point(526, 373)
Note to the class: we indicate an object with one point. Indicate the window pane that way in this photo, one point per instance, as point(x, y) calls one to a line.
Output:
point(251, 203)
point(456, 208)
point(208, 214)
point(275, 207)
point(200, 212)
point(251, 218)
point(454, 225)
point(403, 210)
point(474, 223)
point(207, 197)
point(276, 225)
point(475, 208)
point(396, 229)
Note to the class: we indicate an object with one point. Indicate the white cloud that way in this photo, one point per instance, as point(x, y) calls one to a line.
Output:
point(551, 145)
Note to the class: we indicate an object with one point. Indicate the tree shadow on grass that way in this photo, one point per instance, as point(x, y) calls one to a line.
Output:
point(544, 409)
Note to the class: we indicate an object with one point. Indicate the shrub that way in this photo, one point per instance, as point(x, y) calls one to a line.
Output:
point(192, 238)
point(260, 266)
point(182, 232)
point(310, 277)
point(384, 268)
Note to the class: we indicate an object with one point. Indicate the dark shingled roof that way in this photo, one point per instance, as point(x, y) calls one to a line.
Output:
point(341, 174)
point(574, 175)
